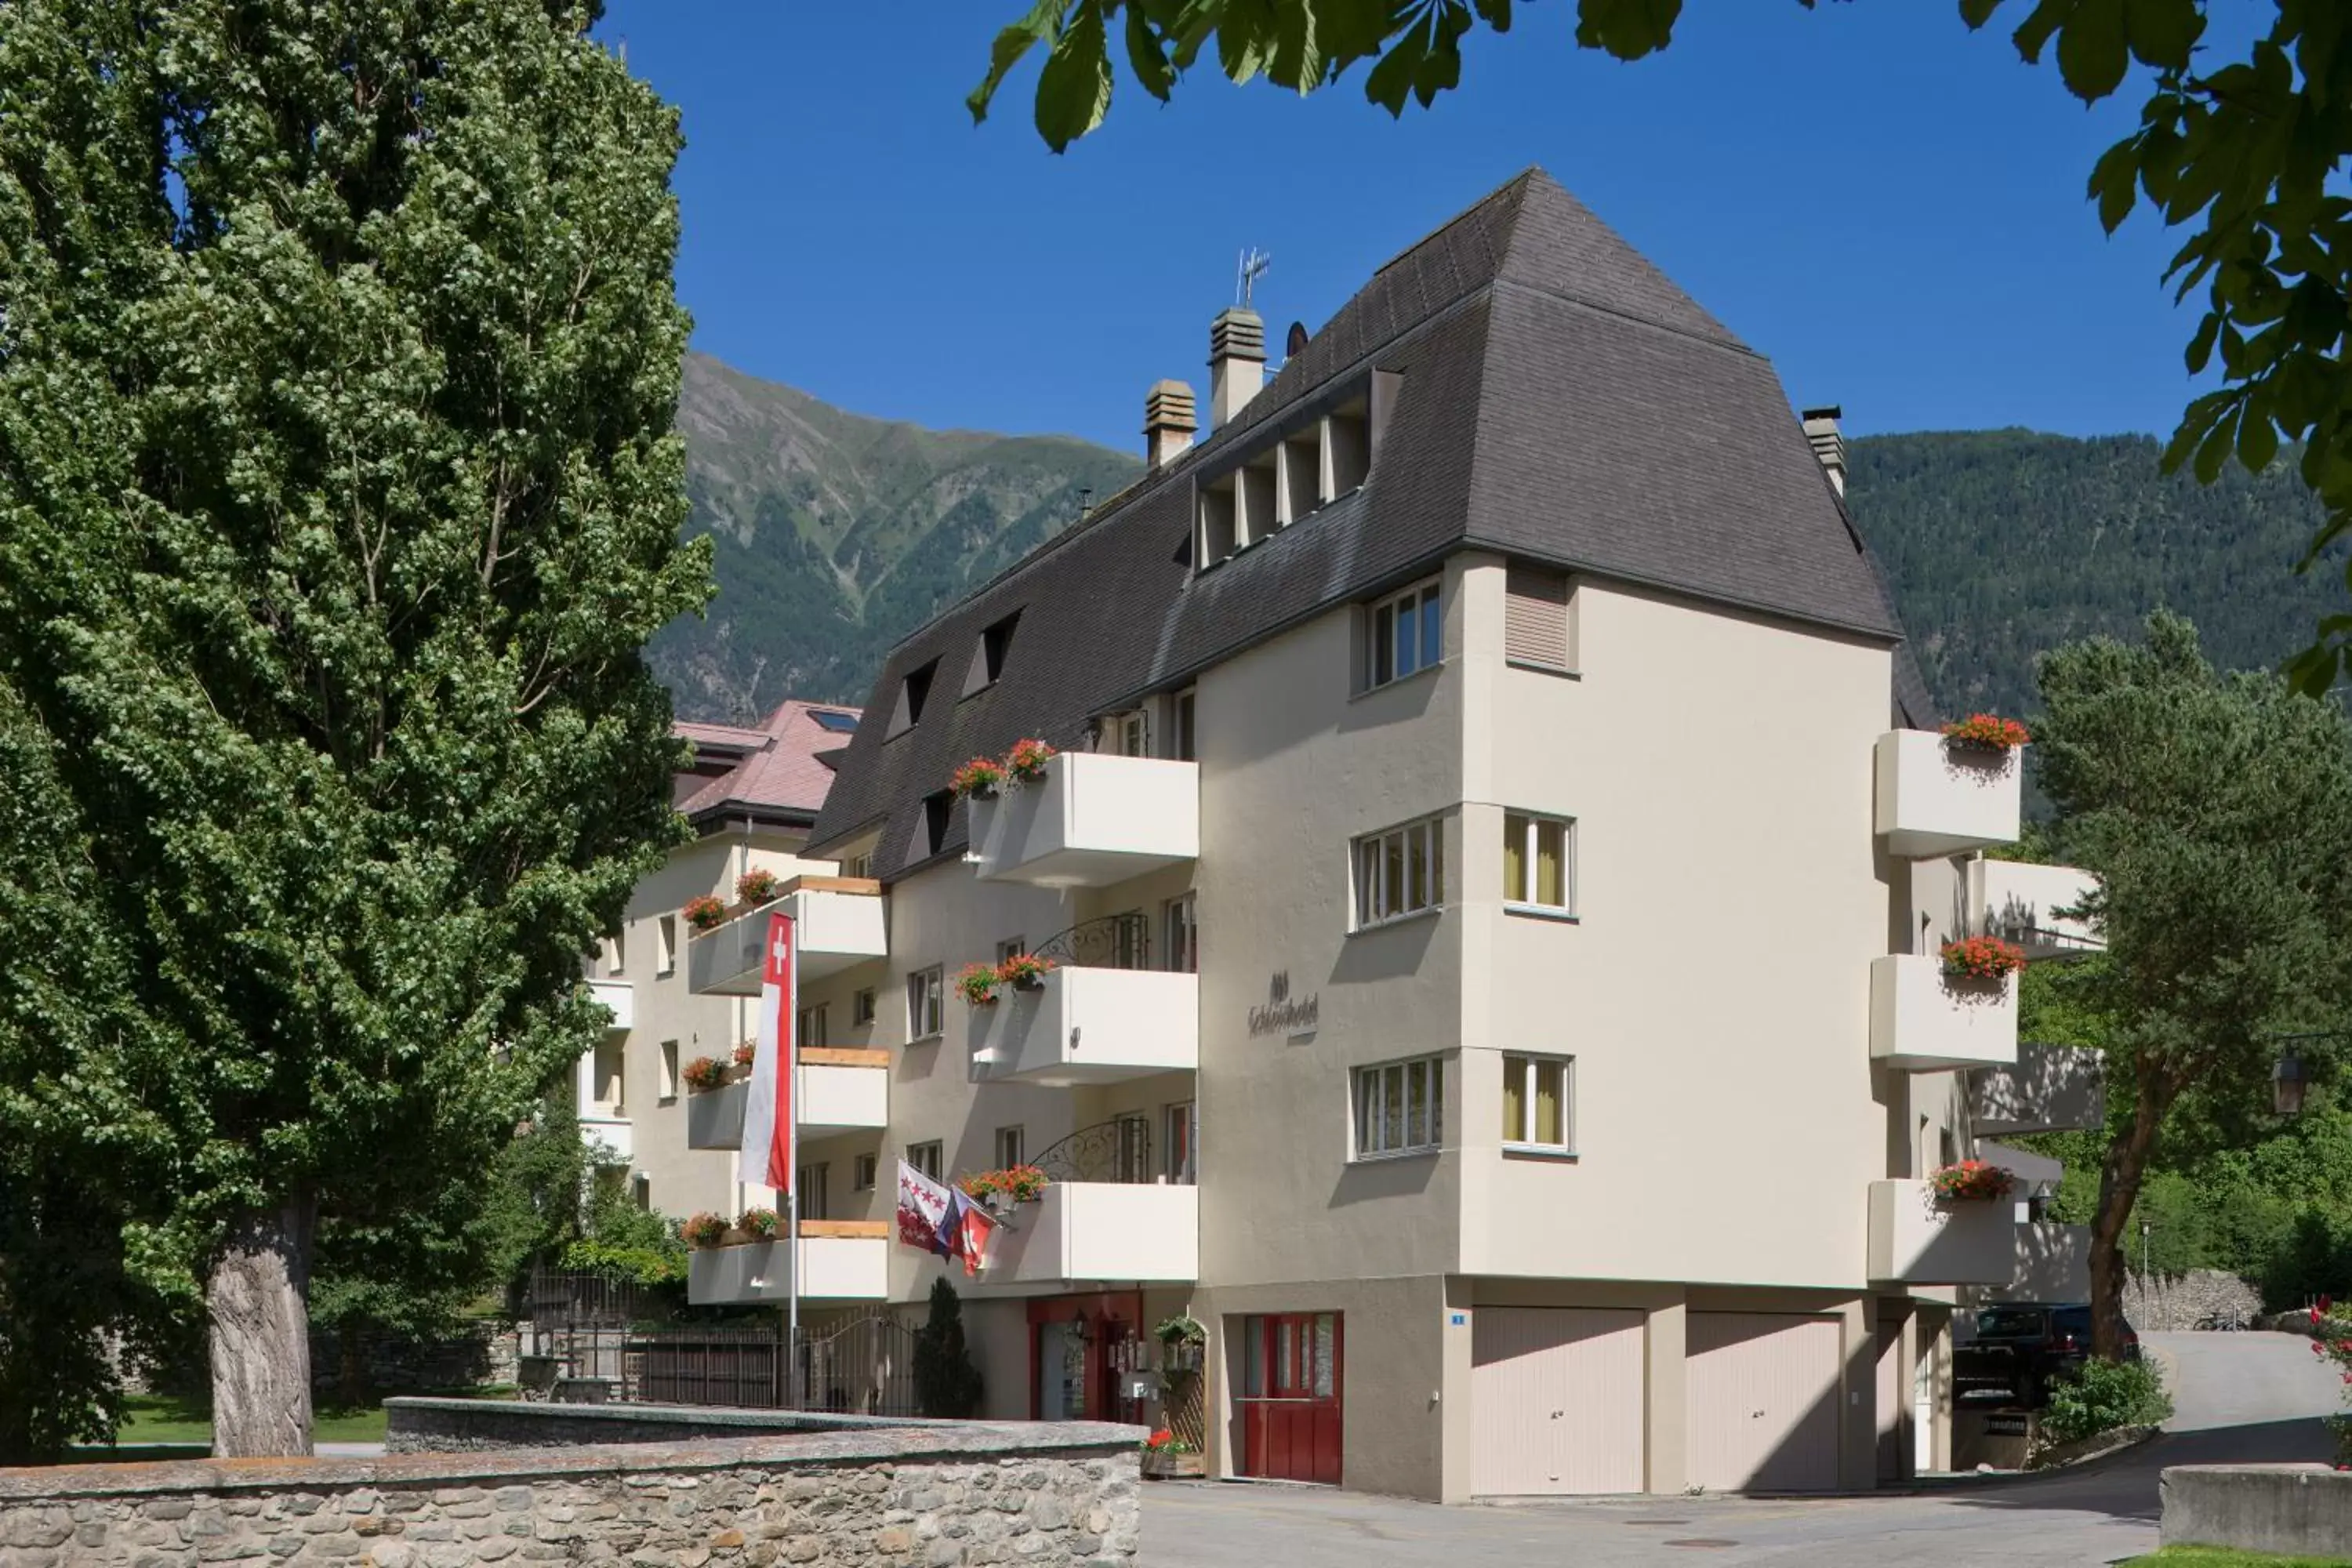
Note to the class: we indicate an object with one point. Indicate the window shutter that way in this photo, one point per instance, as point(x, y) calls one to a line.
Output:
point(1534, 617)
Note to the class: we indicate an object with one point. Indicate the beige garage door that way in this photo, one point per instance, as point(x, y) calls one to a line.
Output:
point(1556, 1401)
point(1762, 1394)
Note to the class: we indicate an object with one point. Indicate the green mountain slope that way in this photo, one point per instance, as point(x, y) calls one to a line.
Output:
point(2001, 543)
point(837, 534)
point(834, 534)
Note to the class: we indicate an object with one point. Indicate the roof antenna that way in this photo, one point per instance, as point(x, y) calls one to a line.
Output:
point(1255, 265)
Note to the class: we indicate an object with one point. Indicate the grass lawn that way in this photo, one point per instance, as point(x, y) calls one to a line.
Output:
point(154, 1418)
point(2224, 1557)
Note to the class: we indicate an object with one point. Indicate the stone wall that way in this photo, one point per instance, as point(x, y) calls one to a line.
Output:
point(2179, 1301)
point(419, 1425)
point(2295, 1510)
point(1052, 1495)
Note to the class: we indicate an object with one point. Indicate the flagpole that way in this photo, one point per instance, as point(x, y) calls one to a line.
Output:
point(791, 1181)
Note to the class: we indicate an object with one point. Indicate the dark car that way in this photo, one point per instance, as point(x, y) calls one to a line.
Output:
point(2020, 1347)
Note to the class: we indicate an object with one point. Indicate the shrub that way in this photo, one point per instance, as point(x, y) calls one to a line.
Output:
point(977, 984)
point(1987, 732)
point(2101, 1396)
point(704, 913)
point(947, 1384)
point(644, 1265)
point(756, 886)
point(1983, 958)
point(704, 1072)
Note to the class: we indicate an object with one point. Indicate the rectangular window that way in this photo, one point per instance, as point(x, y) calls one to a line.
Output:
point(1535, 618)
point(1127, 734)
point(1182, 745)
point(1011, 1148)
point(665, 946)
point(1011, 947)
point(1538, 862)
point(616, 951)
point(1400, 872)
point(1134, 1148)
point(862, 1171)
point(1401, 1107)
point(669, 1069)
point(809, 1200)
point(926, 994)
point(861, 1008)
point(1402, 636)
point(1536, 1108)
point(812, 1027)
point(1183, 934)
point(859, 866)
point(1184, 1133)
point(612, 1074)
point(928, 1158)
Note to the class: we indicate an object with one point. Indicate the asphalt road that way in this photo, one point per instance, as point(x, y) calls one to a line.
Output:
point(2240, 1398)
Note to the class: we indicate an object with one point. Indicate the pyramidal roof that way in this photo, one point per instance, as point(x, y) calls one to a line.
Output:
point(1559, 400)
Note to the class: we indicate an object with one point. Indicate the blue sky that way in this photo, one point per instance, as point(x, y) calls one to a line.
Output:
point(1888, 205)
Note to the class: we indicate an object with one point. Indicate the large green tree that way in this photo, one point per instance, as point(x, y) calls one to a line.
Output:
point(2217, 812)
point(338, 493)
point(2242, 155)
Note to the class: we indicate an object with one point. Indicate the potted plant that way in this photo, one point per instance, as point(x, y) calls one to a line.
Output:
point(1000, 1189)
point(1025, 972)
point(1165, 1455)
point(757, 886)
point(704, 1073)
point(1025, 762)
point(1182, 1338)
point(704, 913)
point(978, 779)
point(977, 984)
point(1984, 958)
point(757, 1223)
point(1986, 732)
point(703, 1230)
point(1971, 1181)
point(746, 1052)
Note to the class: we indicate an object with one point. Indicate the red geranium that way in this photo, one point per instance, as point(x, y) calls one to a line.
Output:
point(1983, 958)
point(1987, 732)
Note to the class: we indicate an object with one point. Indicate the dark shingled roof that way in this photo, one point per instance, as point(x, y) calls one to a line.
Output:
point(1560, 400)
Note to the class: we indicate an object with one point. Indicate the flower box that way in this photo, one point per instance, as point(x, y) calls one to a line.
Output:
point(1025, 762)
point(1972, 1182)
point(1986, 732)
point(1168, 1466)
point(704, 914)
point(704, 1073)
point(1025, 972)
point(977, 984)
point(978, 779)
point(1987, 958)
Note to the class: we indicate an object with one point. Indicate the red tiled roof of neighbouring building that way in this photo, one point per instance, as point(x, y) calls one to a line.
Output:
point(778, 769)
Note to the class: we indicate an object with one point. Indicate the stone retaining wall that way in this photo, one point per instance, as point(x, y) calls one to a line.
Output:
point(2179, 1301)
point(2295, 1511)
point(1055, 1495)
point(424, 1426)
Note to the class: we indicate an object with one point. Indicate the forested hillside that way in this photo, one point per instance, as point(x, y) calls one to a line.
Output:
point(837, 534)
point(2001, 543)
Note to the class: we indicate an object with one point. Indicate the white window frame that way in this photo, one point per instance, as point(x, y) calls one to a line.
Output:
point(1012, 1147)
point(1532, 824)
point(864, 1172)
point(926, 992)
point(1421, 849)
point(810, 1198)
point(929, 1157)
point(1423, 601)
point(861, 1008)
point(1179, 923)
point(809, 1027)
point(1368, 1090)
point(1524, 1064)
point(666, 954)
point(1182, 1127)
point(616, 952)
point(669, 1070)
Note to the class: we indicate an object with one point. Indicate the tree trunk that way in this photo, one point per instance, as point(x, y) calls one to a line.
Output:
point(2119, 1182)
point(257, 1301)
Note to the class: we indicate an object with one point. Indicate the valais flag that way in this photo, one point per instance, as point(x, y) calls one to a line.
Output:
point(768, 1111)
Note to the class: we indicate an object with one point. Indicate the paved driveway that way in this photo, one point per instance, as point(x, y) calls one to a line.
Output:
point(2241, 1397)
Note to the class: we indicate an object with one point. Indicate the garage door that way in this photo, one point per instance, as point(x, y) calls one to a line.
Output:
point(1762, 1391)
point(1556, 1401)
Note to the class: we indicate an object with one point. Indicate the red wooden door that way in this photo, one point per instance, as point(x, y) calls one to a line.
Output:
point(1291, 1398)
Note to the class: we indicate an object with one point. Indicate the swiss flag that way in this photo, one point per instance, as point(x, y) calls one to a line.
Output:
point(767, 1110)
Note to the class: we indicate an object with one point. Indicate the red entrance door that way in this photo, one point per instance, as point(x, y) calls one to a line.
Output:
point(1290, 1396)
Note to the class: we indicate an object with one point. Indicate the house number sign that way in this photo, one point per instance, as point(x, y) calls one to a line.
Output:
point(1280, 1014)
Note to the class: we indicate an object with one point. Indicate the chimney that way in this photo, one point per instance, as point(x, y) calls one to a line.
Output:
point(1828, 442)
point(1236, 363)
point(1168, 422)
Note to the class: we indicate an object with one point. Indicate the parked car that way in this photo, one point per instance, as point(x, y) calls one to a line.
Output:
point(2020, 1347)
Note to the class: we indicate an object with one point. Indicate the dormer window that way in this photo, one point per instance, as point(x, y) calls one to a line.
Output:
point(987, 666)
point(936, 807)
point(913, 693)
point(1290, 474)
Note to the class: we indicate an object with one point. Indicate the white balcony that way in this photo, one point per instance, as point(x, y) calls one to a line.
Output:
point(1086, 1025)
point(840, 1091)
point(2018, 902)
point(1916, 1240)
point(839, 1261)
point(619, 998)
point(1093, 820)
point(1100, 1230)
point(840, 922)
point(1934, 798)
point(2049, 1089)
point(608, 1138)
point(1921, 1021)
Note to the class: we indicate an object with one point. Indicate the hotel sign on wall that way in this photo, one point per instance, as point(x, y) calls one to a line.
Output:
point(1281, 1014)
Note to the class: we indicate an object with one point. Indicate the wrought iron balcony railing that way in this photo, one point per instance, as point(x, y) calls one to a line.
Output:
point(1109, 941)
